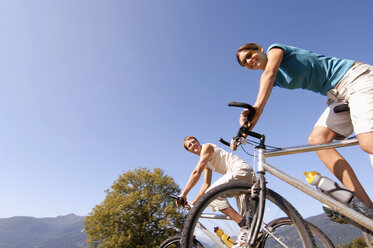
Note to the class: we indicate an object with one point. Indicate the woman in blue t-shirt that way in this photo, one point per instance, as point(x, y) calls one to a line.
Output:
point(341, 80)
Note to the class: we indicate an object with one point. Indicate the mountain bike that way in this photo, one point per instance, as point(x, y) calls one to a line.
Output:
point(266, 238)
point(266, 203)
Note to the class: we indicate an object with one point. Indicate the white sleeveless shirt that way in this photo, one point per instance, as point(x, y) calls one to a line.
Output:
point(223, 161)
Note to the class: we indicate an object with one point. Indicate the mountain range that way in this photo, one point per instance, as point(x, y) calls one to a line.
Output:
point(29, 232)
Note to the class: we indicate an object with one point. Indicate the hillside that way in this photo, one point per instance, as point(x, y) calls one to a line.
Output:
point(340, 234)
point(30, 232)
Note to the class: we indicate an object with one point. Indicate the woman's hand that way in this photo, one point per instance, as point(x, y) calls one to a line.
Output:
point(249, 123)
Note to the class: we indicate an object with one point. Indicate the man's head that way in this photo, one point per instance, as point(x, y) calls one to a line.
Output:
point(191, 144)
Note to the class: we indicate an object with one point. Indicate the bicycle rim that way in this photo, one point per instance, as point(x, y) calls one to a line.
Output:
point(276, 207)
point(277, 228)
point(174, 242)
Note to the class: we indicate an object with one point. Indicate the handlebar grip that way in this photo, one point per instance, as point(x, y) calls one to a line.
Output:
point(254, 134)
point(180, 200)
point(244, 105)
point(224, 142)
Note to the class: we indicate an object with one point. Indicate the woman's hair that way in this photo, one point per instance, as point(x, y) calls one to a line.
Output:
point(188, 138)
point(248, 46)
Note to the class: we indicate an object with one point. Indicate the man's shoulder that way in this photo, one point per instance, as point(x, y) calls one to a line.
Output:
point(208, 147)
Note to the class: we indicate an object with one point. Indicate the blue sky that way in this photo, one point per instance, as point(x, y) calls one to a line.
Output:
point(92, 89)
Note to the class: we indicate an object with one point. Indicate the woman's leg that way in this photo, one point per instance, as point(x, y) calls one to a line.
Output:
point(366, 142)
point(232, 214)
point(337, 164)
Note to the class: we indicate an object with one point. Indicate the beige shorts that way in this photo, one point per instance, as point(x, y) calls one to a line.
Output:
point(356, 89)
point(241, 173)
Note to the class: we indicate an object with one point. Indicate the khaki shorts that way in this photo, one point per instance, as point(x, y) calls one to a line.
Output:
point(241, 173)
point(356, 89)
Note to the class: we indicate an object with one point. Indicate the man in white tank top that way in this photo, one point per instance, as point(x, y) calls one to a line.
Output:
point(233, 168)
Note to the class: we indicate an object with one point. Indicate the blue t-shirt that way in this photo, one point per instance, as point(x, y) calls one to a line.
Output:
point(307, 70)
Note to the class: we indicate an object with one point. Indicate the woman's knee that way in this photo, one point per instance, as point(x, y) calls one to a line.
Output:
point(366, 146)
point(314, 139)
point(366, 142)
point(321, 135)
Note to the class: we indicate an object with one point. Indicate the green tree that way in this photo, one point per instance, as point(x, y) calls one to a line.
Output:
point(137, 212)
point(356, 243)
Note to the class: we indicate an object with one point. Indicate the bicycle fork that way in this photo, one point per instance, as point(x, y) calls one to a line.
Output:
point(258, 196)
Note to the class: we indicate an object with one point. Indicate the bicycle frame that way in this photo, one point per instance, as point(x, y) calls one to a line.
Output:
point(209, 234)
point(213, 237)
point(335, 205)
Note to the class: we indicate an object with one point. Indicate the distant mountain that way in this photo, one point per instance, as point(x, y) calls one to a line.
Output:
point(30, 232)
point(339, 234)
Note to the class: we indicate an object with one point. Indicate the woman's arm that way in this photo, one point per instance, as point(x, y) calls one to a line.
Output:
point(267, 80)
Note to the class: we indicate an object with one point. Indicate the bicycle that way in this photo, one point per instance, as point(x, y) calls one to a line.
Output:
point(261, 196)
point(266, 237)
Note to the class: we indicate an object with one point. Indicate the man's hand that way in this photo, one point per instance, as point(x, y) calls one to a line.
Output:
point(181, 201)
point(234, 144)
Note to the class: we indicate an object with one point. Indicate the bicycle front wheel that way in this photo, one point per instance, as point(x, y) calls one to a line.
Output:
point(277, 228)
point(275, 207)
point(174, 242)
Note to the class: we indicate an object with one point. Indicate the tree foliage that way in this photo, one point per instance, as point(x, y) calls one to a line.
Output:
point(137, 212)
point(356, 243)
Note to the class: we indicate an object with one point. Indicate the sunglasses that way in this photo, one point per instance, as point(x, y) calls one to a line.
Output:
point(247, 56)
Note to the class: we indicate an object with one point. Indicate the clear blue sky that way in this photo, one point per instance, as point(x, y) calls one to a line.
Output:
point(91, 89)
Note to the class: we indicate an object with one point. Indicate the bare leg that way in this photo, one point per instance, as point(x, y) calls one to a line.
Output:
point(366, 142)
point(231, 213)
point(337, 164)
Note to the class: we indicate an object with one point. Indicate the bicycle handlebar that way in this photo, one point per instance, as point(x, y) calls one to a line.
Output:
point(224, 142)
point(180, 200)
point(245, 131)
point(244, 105)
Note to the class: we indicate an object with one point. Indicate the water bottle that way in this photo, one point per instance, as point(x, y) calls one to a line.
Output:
point(224, 237)
point(329, 187)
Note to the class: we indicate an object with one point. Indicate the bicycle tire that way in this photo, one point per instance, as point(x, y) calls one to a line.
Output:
point(320, 237)
point(241, 186)
point(174, 242)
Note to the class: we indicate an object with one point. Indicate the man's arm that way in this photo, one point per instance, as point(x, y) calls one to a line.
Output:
point(206, 184)
point(205, 157)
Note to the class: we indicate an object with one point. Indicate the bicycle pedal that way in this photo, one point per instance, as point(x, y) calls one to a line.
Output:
point(334, 216)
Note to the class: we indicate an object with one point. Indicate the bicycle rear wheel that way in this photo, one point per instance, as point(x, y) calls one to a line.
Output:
point(277, 228)
point(276, 206)
point(174, 242)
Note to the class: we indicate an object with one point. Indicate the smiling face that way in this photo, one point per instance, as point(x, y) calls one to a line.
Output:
point(192, 145)
point(253, 59)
